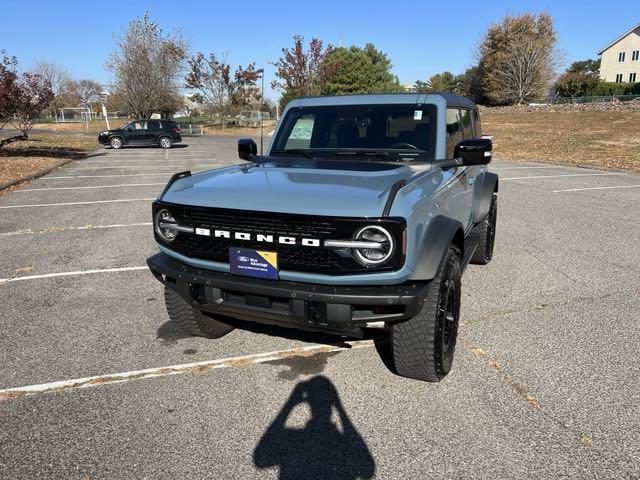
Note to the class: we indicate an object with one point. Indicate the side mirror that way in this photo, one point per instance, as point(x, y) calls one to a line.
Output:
point(247, 148)
point(476, 151)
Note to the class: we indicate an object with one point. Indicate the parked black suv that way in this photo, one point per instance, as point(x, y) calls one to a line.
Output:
point(143, 132)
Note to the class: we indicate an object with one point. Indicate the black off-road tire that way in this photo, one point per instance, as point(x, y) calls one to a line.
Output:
point(192, 321)
point(487, 228)
point(422, 348)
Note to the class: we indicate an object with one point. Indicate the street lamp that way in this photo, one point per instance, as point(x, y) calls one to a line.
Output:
point(261, 72)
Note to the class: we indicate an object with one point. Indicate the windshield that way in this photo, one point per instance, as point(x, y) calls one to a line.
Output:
point(388, 129)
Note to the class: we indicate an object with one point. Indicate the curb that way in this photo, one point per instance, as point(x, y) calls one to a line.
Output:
point(33, 176)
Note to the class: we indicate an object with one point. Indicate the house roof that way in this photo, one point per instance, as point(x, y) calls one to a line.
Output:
point(619, 38)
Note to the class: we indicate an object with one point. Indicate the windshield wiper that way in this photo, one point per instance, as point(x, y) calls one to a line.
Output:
point(364, 153)
point(295, 151)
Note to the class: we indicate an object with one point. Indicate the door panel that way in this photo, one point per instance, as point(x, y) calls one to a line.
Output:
point(153, 131)
point(136, 132)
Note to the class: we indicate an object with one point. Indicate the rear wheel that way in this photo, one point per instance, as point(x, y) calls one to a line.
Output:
point(487, 230)
point(116, 142)
point(192, 321)
point(422, 348)
point(165, 142)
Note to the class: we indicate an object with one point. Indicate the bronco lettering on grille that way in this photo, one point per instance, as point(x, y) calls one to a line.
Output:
point(284, 240)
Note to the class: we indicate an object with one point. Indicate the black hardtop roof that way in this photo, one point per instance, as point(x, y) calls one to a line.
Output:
point(452, 99)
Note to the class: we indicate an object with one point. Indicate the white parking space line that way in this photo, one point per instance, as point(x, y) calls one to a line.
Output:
point(30, 231)
point(77, 203)
point(498, 166)
point(157, 166)
point(70, 274)
point(147, 160)
point(563, 175)
point(165, 174)
point(595, 188)
point(180, 369)
point(22, 190)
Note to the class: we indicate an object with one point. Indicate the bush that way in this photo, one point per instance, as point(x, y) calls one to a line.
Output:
point(576, 84)
point(613, 88)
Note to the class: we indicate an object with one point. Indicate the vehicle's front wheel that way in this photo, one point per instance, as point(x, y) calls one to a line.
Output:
point(165, 142)
point(422, 348)
point(192, 321)
point(116, 142)
point(487, 230)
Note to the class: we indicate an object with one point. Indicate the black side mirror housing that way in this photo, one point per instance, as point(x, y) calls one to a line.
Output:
point(475, 151)
point(247, 148)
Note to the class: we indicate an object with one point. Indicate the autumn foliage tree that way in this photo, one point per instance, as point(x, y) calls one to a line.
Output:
point(8, 87)
point(301, 71)
point(148, 67)
point(519, 58)
point(22, 97)
point(215, 84)
point(33, 95)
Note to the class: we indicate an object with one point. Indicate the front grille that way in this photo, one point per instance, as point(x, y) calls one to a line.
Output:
point(290, 257)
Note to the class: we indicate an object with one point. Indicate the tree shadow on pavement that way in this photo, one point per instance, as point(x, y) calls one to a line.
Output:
point(327, 446)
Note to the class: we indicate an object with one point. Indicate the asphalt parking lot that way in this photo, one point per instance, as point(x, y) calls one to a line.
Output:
point(546, 381)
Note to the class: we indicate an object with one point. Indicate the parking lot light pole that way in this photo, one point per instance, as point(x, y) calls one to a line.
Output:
point(261, 72)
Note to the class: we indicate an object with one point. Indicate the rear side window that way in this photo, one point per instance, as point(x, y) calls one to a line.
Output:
point(477, 126)
point(153, 125)
point(454, 130)
point(467, 127)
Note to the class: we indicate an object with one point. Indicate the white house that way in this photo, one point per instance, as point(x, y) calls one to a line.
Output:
point(620, 60)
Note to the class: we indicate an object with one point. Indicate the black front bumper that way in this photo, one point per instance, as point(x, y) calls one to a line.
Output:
point(344, 310)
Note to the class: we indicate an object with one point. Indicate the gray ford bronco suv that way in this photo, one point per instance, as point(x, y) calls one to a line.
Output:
point(362, 214)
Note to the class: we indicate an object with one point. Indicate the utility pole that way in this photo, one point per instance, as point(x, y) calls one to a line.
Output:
point(261, 72)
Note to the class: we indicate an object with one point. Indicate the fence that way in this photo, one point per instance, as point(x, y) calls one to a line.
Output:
point(602, 99)
point(241, 119)
point(190, 129)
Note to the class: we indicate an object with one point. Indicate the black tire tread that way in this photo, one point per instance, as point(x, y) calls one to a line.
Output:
point(413, 342)
point(484, 251)
point(191, 321)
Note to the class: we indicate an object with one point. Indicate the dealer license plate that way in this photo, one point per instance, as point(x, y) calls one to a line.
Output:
point(253, 263)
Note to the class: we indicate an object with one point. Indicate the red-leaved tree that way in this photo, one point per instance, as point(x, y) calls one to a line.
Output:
point(33, 95)
point(215, 85)
point(303, 72)
point(8, 87)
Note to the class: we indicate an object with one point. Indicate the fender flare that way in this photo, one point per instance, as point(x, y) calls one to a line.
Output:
point(487, 189)
point(440, 233)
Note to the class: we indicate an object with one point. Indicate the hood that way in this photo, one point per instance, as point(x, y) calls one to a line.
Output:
point(331, 188)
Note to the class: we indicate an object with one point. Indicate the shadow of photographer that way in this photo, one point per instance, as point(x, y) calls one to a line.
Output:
point(328, 446)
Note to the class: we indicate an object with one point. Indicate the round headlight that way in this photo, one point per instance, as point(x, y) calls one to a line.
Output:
point(370, 257)
point(163, 218)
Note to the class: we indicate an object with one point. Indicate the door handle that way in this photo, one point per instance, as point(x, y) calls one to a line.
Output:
point(472, 180)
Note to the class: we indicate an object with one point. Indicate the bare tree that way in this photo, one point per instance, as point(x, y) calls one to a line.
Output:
point(148, 66)
point(86, 92)
point(525, 73)
point(60, 80)
point(519, 58)
point(214, 83)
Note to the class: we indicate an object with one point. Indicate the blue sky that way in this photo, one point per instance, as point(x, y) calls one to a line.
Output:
point(421, 37)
